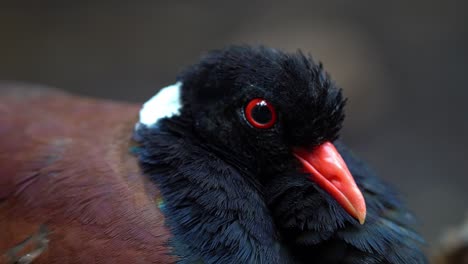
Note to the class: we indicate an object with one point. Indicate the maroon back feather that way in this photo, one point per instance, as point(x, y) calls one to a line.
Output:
point(70, 191)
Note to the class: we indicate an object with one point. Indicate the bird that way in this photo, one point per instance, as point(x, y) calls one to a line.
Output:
point(239, 161)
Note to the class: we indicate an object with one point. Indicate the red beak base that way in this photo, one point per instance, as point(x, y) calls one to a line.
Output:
point(328, 169)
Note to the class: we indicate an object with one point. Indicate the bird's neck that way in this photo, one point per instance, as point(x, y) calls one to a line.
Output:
point(215, 213)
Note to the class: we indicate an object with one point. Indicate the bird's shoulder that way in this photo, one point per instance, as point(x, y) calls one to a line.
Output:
point(69, 187)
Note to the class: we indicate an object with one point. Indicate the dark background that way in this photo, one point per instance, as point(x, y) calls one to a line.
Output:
point(402, 65)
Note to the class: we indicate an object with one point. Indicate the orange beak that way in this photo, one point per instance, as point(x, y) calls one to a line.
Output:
point(328, 169)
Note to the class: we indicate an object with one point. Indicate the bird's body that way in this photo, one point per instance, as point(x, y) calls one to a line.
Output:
point(241, 167)
point(65, 167)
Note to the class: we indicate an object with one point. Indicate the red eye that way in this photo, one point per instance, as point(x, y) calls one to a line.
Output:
point(260, 113)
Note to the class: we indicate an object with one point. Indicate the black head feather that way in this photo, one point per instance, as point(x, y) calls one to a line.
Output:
point(217, 89)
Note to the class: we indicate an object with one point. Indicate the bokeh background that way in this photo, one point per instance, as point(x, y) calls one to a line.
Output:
point(401, 63)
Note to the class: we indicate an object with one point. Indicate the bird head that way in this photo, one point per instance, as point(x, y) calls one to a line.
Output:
point(266, 112)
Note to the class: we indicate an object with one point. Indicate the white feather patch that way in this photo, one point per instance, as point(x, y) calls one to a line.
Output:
point(165, 103)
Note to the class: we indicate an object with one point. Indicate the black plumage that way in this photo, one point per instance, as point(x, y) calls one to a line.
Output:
point(235, 193)
point(215, 213)
point(315, 227)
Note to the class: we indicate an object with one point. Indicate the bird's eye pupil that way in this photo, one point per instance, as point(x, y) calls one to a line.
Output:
point(260, 113)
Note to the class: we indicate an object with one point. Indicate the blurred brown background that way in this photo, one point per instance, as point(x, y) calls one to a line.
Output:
point(402, 64)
